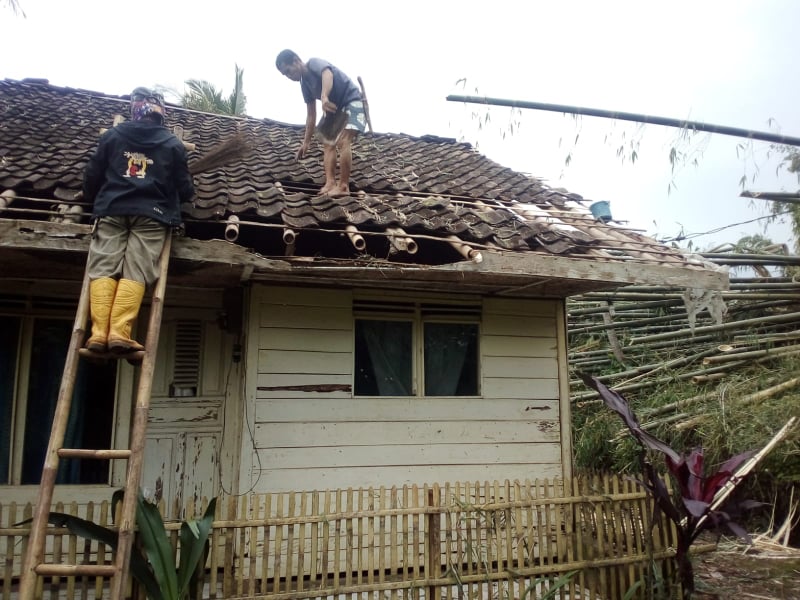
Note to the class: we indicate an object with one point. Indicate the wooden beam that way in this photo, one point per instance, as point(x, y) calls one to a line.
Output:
point(507, 273)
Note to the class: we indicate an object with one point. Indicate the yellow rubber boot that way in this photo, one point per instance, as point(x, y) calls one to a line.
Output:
point(123, 314)
point(101, 297)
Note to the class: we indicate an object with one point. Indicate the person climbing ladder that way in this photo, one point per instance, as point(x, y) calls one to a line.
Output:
point(136, 179)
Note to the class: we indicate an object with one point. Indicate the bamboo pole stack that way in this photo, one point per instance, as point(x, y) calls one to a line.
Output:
point(637, 338)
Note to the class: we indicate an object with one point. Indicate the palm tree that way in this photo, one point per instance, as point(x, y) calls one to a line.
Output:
point(203, 96)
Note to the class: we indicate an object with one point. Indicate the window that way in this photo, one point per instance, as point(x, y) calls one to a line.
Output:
point(397, 345)
point(32, 355)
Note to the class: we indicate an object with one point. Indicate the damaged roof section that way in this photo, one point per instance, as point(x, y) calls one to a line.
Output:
point(414, 200)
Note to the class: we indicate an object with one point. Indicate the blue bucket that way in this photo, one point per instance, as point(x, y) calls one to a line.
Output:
point(601, 211)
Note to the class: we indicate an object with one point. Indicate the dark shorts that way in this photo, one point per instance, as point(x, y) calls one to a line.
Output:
point(352, 117)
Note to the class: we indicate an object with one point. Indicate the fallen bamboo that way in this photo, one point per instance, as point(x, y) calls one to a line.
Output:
point(787, 318)
point(746, 468)
point(734, 355)
point(587, 398)
point(665, 408)
point(709, 377)
point(770, 391)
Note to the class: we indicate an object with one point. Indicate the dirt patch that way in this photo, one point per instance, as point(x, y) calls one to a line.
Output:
point(765, 571)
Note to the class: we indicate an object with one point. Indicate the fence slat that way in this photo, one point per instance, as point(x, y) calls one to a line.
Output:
point(458, 540)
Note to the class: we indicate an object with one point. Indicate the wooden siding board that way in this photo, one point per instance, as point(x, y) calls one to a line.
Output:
point(388, 455)
point(310, 433)
point(297, 296)
point(518, 387)
point(299, 362)
point(507, 306)
point(513, 366)
point(331, 477)
point(179, 411)
point(507, 345)
point(370, 410)
point(517, 325)
point(307, 317)
point(272, 384)
point(284, 338)
point(215, 353)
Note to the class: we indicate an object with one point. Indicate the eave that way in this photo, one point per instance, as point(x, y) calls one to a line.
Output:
point(59, 250)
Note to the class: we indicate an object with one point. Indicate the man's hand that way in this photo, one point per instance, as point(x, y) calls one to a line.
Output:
point(301, 151)
point(327, 105)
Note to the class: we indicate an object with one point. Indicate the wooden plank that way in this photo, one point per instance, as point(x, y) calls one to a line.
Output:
point(304, 296)
point(322, 340)
point(284, 384)
point(410, 455)
point(215, 356)
point(519, 307)
point(513, 366)
point(308, 434)
point(517, 387)
point(519, 326)
point(301, 362)
point(275, 480)
point(206, 413)
point(306, 317)
point(301, 408)
point(509, 345)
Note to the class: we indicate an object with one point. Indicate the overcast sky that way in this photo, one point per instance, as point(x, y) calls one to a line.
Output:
point(731, 63)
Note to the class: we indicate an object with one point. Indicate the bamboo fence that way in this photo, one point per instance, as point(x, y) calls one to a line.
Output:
point(487, 540)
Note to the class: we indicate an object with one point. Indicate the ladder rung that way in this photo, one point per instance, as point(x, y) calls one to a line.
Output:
point(67, 570)
point(136, 355)
point(98, 454)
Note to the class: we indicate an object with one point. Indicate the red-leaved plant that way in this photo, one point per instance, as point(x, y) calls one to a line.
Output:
point(693, 513)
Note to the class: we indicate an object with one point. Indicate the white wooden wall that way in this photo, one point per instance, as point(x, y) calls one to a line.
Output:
point(306, 440)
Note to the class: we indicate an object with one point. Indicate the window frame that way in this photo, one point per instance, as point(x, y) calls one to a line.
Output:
point(414, 311)
point(28, 312)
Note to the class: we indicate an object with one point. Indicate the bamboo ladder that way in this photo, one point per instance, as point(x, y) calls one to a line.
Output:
point(34, 565)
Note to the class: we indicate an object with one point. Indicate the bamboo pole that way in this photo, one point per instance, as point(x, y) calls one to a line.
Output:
point(747, 467)
point(139, 430)
point(766, 352)
point(36, 543)
point(787, 318)
point(763, 136)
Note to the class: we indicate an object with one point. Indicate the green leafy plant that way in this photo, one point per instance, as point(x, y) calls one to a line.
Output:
point(154, 568)
point(694, 512)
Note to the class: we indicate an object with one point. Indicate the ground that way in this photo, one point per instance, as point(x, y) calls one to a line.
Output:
point(764, 571)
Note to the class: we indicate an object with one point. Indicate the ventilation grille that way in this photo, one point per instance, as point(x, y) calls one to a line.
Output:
point(426, 309)
point(383, 306)
point(441, 310)
point(188, 344)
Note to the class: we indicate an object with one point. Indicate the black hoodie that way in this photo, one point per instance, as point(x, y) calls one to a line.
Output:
point(139, 169)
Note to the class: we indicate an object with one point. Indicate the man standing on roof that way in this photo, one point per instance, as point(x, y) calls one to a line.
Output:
point(343, 114)
point(137, 178)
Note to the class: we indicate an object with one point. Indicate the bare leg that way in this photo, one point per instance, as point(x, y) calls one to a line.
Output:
point(345, 147)
point(329, 160)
